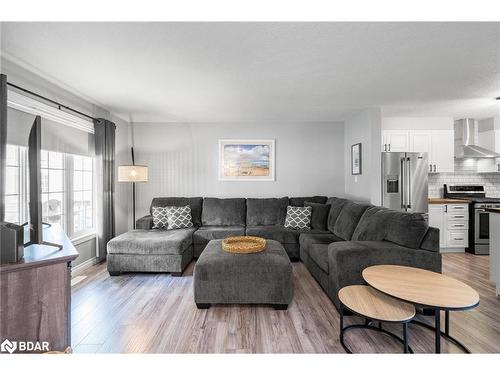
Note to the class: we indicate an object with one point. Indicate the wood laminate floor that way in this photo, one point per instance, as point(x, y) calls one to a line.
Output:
point(155, 313)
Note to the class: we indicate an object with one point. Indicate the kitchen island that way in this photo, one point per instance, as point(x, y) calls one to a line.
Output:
point(495, 247)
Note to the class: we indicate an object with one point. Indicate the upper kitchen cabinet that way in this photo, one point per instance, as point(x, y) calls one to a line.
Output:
point(439, 145)
point(395, 141)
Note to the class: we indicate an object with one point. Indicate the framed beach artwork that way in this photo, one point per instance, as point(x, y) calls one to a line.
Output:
point(246, 160)
point(356, 159)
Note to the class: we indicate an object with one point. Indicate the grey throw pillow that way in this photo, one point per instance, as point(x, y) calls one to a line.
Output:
point(179, 217)
point(319, 216)
point(160, 220)
point(298, 217)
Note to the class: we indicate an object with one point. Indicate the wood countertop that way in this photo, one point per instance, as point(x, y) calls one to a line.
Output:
point(494, 210)
point(447, 201)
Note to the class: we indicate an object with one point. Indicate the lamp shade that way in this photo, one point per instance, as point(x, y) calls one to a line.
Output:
point(132, 173)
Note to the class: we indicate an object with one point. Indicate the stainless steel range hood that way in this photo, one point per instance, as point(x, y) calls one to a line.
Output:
point(466, 143)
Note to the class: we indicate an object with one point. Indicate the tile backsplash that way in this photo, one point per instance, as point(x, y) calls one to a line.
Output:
point(465, 173)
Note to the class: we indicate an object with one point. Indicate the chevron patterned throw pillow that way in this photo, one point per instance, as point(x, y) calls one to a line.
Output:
point(179, 217)
point(298, 217)
point(159, 217)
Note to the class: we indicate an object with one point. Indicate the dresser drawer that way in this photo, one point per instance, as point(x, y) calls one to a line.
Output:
point(458, 238)
point(457, 208)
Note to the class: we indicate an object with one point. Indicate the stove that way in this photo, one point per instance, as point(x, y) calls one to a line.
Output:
point(479, 221)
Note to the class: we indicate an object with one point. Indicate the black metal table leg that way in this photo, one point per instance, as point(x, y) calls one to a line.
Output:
point(447, 322)
point(341, 324)
point(405, 337)
point(437, 331)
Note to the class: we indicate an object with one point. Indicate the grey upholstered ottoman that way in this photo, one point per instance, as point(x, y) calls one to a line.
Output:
point(260, 278)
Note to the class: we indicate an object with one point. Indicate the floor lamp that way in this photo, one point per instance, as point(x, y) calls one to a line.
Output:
point(133, 173)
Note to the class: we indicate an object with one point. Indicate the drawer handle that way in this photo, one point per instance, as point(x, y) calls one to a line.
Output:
point(458, 216)
point(458, 239)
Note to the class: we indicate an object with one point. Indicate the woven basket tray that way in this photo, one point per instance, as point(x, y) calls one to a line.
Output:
point(243, 244)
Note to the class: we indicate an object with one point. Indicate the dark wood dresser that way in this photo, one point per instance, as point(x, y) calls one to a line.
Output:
point(35, 294)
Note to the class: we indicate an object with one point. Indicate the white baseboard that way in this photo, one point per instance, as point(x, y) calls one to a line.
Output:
point(76, 270)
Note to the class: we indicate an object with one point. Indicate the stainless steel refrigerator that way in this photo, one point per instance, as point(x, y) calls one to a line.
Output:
point(405, 181)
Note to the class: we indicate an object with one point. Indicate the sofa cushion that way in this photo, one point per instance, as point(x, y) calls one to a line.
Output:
point(216, 211)
point(160, 219)
point(319, 254)
point(373, 225)
point(307, 239)
point(336, 205)
point(348, 219)
point(213, 232)
point(406, 229)
point(299, 201)
point(319, 217)
point(298, 217)
point(274, 232)
point(194, 203)
point(151, 242)
point(266, 211)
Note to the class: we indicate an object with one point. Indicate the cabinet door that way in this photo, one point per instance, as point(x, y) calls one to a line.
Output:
point(437, 220)
point(420, 141)
point(442, 150)
point(397, 140)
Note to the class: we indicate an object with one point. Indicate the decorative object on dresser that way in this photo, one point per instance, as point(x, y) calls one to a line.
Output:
point(425, 289)
point(246, 160)
point(36, 294)
point(356, 159)
point(133, 173)
point(374, 306)
point(243, 244)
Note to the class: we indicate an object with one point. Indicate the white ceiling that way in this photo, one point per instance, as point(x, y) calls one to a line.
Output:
point(268, 71)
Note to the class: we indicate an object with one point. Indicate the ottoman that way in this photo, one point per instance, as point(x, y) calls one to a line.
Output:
point(260, 278)
point(153, 250)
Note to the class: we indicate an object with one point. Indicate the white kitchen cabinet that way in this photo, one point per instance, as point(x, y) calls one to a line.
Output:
point(490, 140)
point(436, 220)
point(439, 145)
point(452, 220)
point(395, 141)
point(442, 154)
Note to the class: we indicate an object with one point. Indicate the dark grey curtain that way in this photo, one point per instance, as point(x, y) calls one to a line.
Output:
point(105, 167)
point(3, 141)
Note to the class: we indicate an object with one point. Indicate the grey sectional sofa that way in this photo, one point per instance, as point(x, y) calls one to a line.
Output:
point(353, 237)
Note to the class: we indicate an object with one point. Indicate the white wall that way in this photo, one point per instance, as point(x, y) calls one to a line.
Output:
point(183, 160)
point(364, 127)
point(417, 123)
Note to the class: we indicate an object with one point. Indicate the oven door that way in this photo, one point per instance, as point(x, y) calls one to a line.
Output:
point(482, 226)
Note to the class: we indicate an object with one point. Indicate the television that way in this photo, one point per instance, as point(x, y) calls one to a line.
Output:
point(35, 182)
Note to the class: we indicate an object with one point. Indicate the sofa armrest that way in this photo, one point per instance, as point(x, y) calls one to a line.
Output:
point(145, 222)
point(431, 240)
point(347, 260)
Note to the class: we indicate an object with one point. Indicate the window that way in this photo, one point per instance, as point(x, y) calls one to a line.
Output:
point(14, 207)
point(67, 190)
point(53, 188)
point(83, 194)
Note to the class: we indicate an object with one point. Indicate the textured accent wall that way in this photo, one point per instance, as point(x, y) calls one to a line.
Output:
point(183, 160)
point(465, 173)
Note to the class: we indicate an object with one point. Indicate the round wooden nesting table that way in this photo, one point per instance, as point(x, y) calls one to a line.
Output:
point(426, 289)
point(373, 305)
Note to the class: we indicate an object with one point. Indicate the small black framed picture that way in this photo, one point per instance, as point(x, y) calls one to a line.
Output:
point(356, 159)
